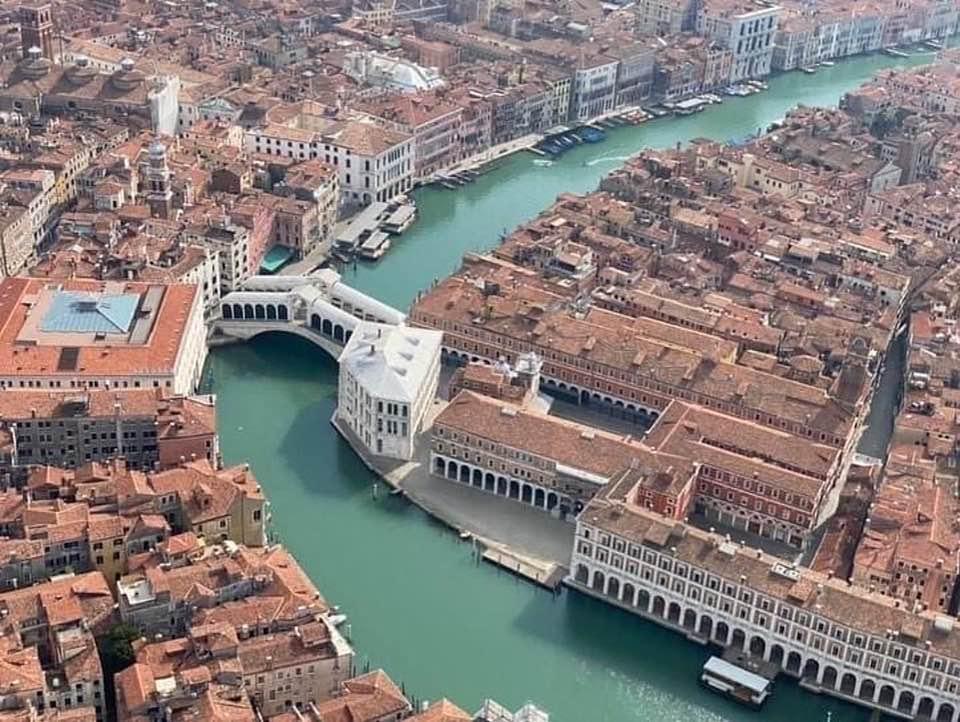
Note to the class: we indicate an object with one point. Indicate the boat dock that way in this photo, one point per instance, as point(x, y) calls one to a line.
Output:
point(690, 106)
point(400, 219)
point(374, 246)
point(359, 228)
point(367, 234)
point(548, 575)
point(741, 683)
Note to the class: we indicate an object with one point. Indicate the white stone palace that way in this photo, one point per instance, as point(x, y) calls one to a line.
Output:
point(388, 379)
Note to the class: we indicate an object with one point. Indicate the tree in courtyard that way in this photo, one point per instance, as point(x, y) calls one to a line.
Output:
point(116, 648)
point(116, 654)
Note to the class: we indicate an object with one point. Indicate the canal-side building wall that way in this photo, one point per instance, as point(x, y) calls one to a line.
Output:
point(373, 163)
point(551, 464)
point(744, 29)
point(838, 639)
point(388, 380)
point(231, 242)
point(594, 88)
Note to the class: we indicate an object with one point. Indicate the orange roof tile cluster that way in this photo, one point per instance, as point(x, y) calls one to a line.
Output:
point(368, 698)
point(156, 356)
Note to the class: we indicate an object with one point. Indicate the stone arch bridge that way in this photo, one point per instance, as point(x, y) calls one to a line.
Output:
point(319, 307)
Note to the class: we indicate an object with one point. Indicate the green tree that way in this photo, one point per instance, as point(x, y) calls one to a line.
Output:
point(116, 654)
point(116, 648)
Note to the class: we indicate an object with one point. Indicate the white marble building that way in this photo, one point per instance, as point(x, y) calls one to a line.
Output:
point(388, 379)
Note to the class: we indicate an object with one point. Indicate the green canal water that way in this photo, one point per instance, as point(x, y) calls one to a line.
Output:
point(418, 604)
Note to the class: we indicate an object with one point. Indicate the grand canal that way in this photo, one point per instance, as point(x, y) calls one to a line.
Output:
point(418, 605)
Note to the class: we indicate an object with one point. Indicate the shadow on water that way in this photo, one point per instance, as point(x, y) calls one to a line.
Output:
point(610, 637)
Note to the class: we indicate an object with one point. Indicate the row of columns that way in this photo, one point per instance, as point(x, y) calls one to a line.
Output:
point(279, 312)
point(741, 518)
point(486, 480)
point(827, 677)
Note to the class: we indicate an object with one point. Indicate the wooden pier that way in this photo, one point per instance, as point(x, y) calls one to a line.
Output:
point(548, 575)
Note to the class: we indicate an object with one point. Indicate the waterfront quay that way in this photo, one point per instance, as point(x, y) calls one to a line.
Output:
point(575, 656)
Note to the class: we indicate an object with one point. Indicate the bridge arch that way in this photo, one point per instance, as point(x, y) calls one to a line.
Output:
point(293, 305)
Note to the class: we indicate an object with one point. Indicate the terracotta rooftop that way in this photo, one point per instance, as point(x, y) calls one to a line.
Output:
point(26, 349)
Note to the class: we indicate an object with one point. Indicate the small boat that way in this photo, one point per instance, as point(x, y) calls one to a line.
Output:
point(397, 491)
point(465, 535)
point(543, 162)
point(828, 63)
point(591, 135)
point(337, 619)
point(808, 71)
point(934, 44)
point(895, 53)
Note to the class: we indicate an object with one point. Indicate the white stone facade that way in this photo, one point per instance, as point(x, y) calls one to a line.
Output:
point(885, 671)
point(748, 34)
point(377, 171)
point(388, 380)
point(192, 353)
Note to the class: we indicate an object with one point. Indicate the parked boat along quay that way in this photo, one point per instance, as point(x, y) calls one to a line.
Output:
point(409, 584)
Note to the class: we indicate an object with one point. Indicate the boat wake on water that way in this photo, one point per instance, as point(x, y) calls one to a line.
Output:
point(608, 159)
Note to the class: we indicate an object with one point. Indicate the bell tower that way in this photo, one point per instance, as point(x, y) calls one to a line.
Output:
point(159, 192)
point(36, 28)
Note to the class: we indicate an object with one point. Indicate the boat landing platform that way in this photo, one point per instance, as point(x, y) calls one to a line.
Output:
point(548, 575)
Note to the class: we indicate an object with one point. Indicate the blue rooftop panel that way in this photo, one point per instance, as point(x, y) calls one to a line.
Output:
point(73, 312)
